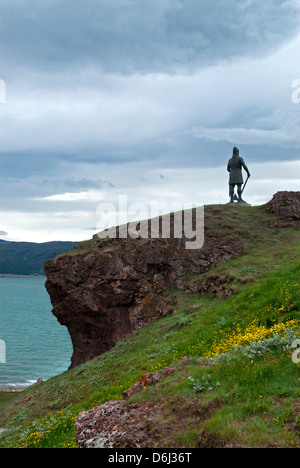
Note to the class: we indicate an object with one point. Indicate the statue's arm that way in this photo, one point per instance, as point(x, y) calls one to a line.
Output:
point(245, 167)
point(228, 168)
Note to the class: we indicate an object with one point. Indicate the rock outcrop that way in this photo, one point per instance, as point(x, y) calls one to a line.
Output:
point(286, 205)
point(107, 288)
point(121, 424)
point(115, 424)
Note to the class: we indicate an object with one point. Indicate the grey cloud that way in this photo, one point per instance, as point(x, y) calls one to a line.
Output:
point(87, 184)
point(213, 31)
point(3, 233)
point(153, 35)
point(12, 189)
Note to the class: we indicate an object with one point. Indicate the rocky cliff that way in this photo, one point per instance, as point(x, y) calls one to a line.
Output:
point(107, 288)
point(286, 205)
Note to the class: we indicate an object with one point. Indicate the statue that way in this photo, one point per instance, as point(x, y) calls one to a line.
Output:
point(235, 165)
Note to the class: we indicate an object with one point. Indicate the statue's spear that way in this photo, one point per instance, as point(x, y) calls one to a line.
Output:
point(245, 184)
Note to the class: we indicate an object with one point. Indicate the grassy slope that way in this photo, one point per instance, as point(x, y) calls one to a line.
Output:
point(254, 402)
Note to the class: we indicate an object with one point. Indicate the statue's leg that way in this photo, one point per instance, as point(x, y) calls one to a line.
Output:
point(239, 190)
point(231, 192)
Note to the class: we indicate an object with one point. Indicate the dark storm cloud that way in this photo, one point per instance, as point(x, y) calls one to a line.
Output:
point(134, 35)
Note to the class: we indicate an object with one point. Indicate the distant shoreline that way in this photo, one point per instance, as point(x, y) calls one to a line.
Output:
point(12, 389)
point(9, 388)
point(4, 275)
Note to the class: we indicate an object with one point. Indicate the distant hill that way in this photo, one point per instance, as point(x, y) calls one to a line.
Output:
point(27, 258)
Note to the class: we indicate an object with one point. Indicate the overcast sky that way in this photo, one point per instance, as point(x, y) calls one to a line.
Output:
point(143, 98)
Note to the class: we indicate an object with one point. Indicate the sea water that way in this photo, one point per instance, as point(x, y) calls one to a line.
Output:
point(36, 345)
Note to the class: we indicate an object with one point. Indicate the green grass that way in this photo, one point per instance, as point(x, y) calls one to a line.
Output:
point(6, 397)
point(251, 402)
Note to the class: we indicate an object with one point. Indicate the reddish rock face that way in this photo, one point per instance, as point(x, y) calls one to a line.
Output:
point(286, 205)
point(111, 287)
point(116, 424)
point(100, 297)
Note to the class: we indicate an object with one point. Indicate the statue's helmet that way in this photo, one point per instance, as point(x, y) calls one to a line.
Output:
point(236, 150)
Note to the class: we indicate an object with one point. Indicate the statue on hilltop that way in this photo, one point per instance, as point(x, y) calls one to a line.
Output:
point(234, 167)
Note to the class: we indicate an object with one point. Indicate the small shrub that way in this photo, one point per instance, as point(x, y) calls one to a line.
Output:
point(203, 385)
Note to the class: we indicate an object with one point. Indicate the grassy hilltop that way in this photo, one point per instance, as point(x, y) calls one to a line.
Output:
point(238, 387)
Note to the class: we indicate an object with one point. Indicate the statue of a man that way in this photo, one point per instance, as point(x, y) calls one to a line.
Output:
point(235, 165)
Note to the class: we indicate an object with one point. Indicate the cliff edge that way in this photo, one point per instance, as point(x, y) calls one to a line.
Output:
point(105, 289)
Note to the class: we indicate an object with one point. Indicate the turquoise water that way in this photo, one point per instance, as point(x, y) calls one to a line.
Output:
point(36, 345)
